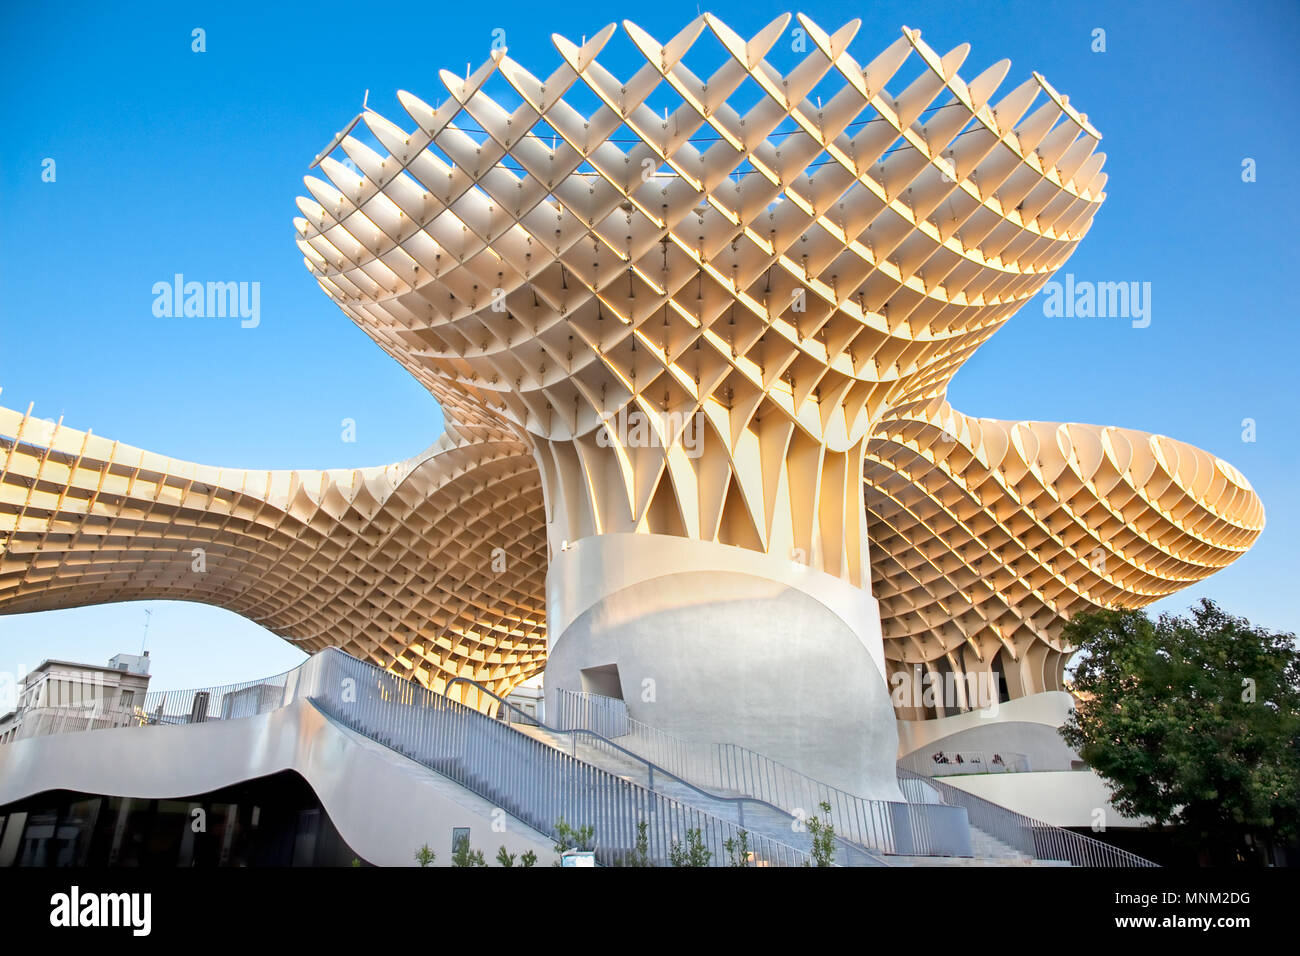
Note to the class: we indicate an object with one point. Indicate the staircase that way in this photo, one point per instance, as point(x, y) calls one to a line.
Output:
point(1018, 835)
point(542, 775)
point(536, 782)
point(991, 848)
point(595, 749)
point(986, 850)
point(915, 833)
point(752, 815)
point(603, 779)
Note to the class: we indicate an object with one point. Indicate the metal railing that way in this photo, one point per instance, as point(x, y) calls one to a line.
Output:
point(529, 779)
point(541, 785)
point(168, 707)
point(519, 774)
point(881, 826)
point(949, 763)
point(42, 721)
point(587, 745)
point(1034, 838)
point(606, 716)
point(224, 702)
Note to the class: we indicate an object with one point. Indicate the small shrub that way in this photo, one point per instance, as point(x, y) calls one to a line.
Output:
point(737, 849)
point(691, 852)
point(823, 831)
point(567, 838)
point(640, 854)
point(464, 856)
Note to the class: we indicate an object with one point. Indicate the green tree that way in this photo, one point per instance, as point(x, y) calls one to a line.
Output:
point(425, 856)
point(505, 858)
point(528, 859)
point(1192, 721)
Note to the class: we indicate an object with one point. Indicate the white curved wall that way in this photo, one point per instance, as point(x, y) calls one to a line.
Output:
point(384, 805)
point(1063, 798)
point(721, 644)
point(1050, 708)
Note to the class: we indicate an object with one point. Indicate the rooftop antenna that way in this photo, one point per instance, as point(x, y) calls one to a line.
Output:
point(147, 614)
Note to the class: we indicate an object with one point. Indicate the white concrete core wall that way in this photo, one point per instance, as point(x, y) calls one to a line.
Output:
point(722, 644)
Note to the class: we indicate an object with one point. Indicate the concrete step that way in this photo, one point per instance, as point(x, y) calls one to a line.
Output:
point(987, 846)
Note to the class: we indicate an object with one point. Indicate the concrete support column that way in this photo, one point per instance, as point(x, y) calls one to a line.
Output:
point(722, 644)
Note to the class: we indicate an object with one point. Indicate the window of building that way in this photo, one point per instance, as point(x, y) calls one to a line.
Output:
point(458, 834)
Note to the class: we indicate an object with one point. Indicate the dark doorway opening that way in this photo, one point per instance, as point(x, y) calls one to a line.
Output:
point(602, 680)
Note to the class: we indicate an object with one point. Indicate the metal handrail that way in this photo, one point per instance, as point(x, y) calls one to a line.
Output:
point(220, 702)
point(167, 707)
point(528, 779)
point(774, 781)
point(1034, 838)
point(45, 721)
point(951, 763)
point(855, 851)
point(875, 826)
point(231, 701)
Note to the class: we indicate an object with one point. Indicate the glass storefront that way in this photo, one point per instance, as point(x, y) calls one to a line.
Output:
point(273, 821)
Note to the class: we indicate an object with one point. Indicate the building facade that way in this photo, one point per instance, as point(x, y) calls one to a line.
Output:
point(60, 696)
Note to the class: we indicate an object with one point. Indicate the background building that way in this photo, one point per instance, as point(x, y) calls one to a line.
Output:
point(60, 696)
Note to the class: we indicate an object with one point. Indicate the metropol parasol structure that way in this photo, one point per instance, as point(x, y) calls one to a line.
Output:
point(693, 346)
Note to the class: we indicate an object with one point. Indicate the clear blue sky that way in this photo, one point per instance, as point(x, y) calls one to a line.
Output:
point(172, 161)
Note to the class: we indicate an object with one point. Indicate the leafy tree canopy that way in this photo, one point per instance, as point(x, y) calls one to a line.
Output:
point(1193, 721)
